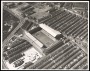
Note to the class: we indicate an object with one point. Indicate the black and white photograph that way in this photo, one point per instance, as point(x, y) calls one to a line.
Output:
point(45, 35)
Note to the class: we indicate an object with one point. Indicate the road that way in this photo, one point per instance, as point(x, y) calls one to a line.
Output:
point(22, 20)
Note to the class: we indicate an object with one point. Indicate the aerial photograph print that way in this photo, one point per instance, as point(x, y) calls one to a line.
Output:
point(45, 35)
